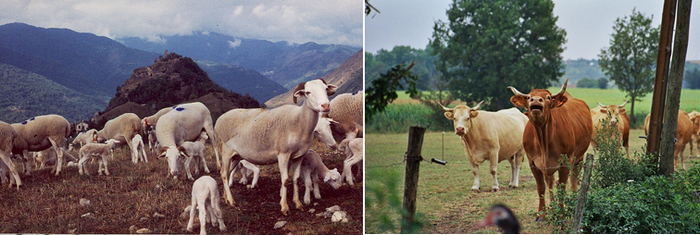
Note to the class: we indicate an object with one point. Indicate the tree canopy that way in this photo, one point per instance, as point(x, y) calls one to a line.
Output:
point(631, 58)
point(487, 45)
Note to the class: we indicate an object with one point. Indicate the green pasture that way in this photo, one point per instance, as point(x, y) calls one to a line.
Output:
point(444, 197)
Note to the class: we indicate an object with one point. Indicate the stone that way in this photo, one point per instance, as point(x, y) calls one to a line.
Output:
point(312, 210)
point(339, 216)
point(280, 224)
point(158, 215)
point(143, 219)
point(143, 230)
point(84, 202)
point(133, 228)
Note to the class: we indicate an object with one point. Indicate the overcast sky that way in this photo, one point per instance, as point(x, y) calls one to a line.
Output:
point(297, 21)
point(588, 23)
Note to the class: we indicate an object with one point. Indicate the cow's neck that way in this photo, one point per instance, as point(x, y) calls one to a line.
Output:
point(543, 134)
point(470, 137)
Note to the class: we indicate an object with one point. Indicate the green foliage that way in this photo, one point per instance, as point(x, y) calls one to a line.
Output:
point(488, 45)
point(586, 83)
point(383, 89)
point(631, 58)
point(384, 202)
point(424, 68)
point(581, 68)
point(398, 118)
point(692, 78)
point(602, 83)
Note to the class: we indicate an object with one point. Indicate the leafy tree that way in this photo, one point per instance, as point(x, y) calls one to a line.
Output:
point(603, 83)
point(692, 78)
point(381, 62)
point(488, 45)
point(586, 83)
point(629, 61)
point(383, 89)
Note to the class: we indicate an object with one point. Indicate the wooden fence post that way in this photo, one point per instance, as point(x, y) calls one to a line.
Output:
point(413, 159)
point(582, 193)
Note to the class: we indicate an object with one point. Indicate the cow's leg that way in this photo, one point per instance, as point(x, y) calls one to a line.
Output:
point(493, 169)
point(539, 180)
point(475, 171)
point(516, 163)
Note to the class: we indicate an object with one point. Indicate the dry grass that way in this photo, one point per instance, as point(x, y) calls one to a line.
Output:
point(50, 204)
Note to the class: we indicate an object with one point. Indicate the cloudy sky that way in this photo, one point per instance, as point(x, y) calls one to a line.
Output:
point(297, 21)
point(588, 23)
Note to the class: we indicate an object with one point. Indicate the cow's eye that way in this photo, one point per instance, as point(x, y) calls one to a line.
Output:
point(549, 98)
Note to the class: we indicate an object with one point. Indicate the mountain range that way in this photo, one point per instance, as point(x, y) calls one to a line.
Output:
point(91, 67)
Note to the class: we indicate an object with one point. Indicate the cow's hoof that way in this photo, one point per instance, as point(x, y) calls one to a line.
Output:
point(495, 190)
point(475, 190)
point(512, 186)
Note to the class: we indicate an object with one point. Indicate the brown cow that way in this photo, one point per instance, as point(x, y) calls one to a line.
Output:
point(684, 131)
point(618, 119)
point(559, 124)
point(695, 118)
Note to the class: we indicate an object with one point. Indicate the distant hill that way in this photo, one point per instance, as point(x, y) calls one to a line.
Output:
point(285, 63)
point(242, 80)
point(581, 68)
point(82, 62)
point(348, 78)
point(27, 94)
point(171, 80)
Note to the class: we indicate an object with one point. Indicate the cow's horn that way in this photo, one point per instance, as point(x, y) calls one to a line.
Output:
point(445, 108)
point(515, 91)
point(602, 105)
point(623, 104)
point(563, 88)
point(478, 105)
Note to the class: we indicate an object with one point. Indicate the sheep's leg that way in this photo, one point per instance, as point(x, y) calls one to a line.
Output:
point(296, 169)
point(230, 179)
point(314, 180)
point(104, 162)
point(308, 184)
point(81, 164)
point(187, 168)
point(145, 157)
point(190, 223)
point(347, 167)
point(216, 209)
point(202, 215)
point(209, 128)
point(256, 174)
point(5, 157)
point(204, 162)
point(134, 158)
point(283, 164)
point(227, 154)
point(27, 166)
point(59, 155)
point(196, 164)
point(100, 165)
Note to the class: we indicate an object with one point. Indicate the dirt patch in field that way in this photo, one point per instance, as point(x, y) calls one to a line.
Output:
point(142, 196)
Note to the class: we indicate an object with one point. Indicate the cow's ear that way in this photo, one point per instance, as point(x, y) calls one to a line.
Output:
point(449, 115)
point(558, 101)
point(519, 101)
point(623, 111)
point(603, 111)
point(473, 113)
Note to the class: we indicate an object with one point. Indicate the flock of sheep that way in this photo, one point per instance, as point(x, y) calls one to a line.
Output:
point(241, 139)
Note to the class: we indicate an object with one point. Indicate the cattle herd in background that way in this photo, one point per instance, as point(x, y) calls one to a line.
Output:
point(241, 139)
point(553, 125)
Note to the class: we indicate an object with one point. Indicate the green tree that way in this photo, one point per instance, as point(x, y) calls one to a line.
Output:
point(586, 83)
point(381, 62)
point(629, 61)
point(602, 83)
point(488, 45)
point(692, 78)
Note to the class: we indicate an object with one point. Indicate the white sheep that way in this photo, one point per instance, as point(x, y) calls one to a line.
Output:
point(183, 123)
point(267, 136)
point(137, 143)
point(323, 131)
point(347, 111)
point(84, 138)
point(246, 169)
point(101, 151)
point(312, 168)
point(153, 144)
point(123, 128)
point(148, 123)
point(205, 198)
point(39, 133)
point(195, 152)
point(4, 172)
point(354, 154)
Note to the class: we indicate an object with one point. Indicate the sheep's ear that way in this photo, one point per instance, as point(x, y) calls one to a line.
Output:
point(162, 152)
point(299, 91)
point(330, 90)
point(332, 121)
point(182, 151)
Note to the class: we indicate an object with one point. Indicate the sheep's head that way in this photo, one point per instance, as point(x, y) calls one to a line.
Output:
point(332, 177)
point(323, 132)
point(173, 156)
point(316, 93)
point(112, 142)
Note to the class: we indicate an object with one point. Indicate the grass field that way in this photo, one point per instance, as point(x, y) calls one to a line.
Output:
point(444, 195)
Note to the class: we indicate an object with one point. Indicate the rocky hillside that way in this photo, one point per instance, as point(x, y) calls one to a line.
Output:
point(172, 79)
point(348, 78)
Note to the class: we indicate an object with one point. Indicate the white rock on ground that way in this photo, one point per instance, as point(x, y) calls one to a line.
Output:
point(84, 202)
point(280, 224)
point(143, 230)
point(340, 216)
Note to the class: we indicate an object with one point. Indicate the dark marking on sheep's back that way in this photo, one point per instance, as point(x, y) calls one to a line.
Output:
point(355, 93)
point(174, 106)
point(24, 123)
point(179, 109)
point(31, 119)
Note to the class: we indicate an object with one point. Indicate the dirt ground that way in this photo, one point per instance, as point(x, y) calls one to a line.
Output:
point(133, 194)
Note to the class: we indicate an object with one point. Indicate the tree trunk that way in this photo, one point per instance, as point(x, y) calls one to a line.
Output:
point(632, 110)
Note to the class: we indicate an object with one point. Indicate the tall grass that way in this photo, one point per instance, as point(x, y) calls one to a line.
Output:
point(397, 118)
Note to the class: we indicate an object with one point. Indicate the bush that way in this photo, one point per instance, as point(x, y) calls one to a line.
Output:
point(398, 118)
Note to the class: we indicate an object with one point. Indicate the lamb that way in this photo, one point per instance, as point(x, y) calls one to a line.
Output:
point(183, 123)
point(153, 144)
point(84, 138)
point(39, 133)
point(323, 131)
point(137, 143)
point(205, 198)
point(311, 168)
point(246, 169)
point(122, 128)
point(355, 154)
point(7, 136)
point(347, 111)
point(267, 136)
point(195, 151)
point(101, 151)
point(48, 156)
